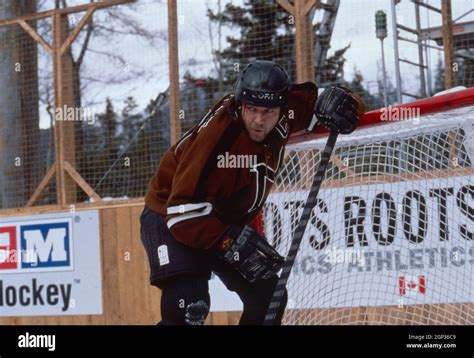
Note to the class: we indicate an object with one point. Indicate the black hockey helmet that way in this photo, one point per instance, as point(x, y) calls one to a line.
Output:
point(263, 84)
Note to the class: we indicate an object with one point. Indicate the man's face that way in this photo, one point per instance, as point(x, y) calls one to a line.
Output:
point(259, 121)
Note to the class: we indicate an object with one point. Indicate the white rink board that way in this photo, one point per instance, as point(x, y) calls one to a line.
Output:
point(221, 298)
point(429, 271)
point(56, 269)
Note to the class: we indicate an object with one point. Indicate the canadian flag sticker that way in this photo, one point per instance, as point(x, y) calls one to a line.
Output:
point(408, 283)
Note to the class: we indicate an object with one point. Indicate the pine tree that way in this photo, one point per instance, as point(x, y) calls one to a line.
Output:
point(333, 69)
point(371, 101)
point(465, 73)
point(109, 122)
point(439, 77)
point(265, 32)
point(100, 145)
point(130, 120)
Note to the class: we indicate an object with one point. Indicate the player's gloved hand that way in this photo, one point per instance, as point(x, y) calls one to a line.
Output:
point(338, 108)
point(249, 253)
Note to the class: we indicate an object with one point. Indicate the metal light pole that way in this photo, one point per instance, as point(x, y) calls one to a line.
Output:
point(381, 33)
point(395, 49)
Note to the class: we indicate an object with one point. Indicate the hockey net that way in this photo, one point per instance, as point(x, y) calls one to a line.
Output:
point(391, 239)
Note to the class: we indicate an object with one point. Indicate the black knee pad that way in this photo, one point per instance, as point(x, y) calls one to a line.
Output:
point(185, 300)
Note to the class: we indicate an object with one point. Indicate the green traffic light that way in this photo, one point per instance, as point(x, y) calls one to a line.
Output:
point(380, 24)
point(380, 20)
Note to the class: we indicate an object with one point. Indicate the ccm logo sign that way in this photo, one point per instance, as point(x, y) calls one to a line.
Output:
point(45, 246)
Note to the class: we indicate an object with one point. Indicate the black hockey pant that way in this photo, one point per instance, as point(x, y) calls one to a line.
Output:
point(185, 299)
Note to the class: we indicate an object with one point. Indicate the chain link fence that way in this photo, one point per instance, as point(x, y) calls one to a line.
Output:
point(103, 109)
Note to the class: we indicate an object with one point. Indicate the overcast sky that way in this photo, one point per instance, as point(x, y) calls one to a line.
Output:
point(355, 25)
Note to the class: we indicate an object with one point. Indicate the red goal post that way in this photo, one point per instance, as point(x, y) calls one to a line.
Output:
point(437, 103)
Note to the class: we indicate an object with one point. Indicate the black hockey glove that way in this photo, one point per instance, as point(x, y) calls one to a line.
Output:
point(249, 253)
point(338, 108)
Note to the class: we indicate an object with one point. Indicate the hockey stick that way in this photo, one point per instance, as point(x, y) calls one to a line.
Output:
point(278, 294)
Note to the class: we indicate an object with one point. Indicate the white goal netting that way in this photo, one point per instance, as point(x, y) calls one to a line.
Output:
point(391, 239)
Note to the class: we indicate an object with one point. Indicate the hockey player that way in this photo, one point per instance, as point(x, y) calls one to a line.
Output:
point(198, 206)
